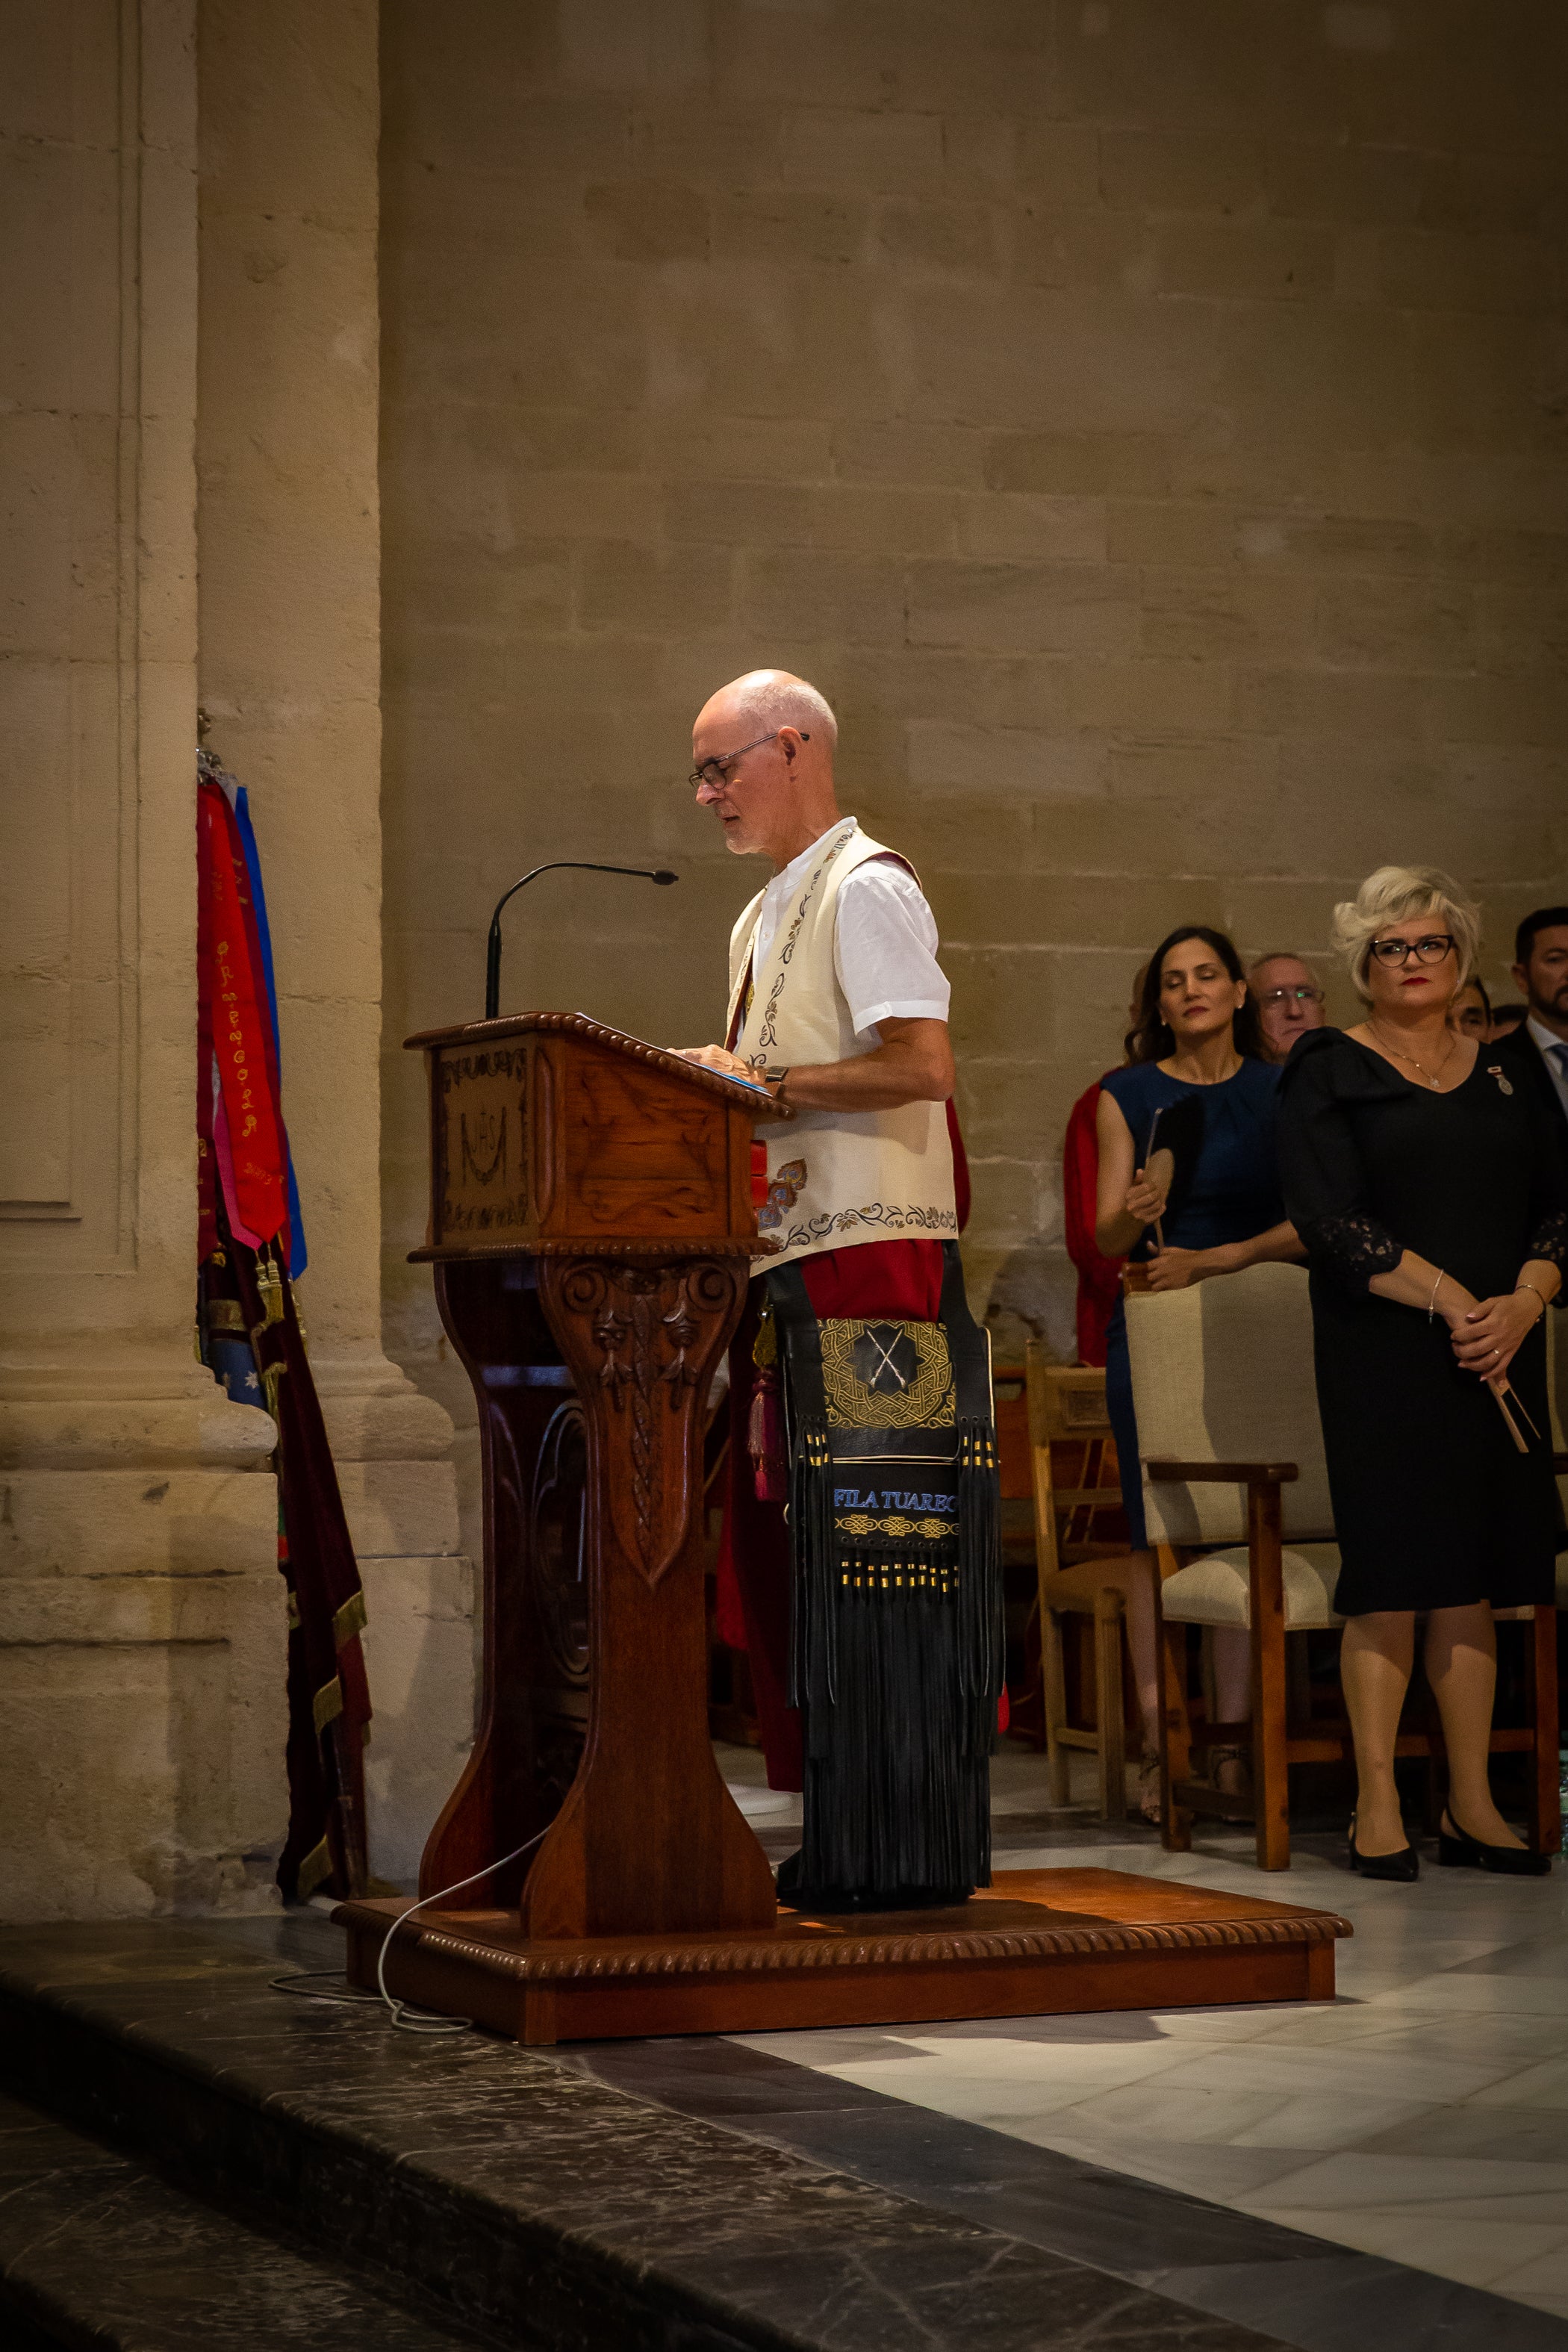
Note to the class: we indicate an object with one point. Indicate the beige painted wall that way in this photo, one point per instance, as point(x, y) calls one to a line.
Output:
point(1143, 420)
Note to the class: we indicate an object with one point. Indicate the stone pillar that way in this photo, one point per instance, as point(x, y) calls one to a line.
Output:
point(291, 695)
point(141, 1626)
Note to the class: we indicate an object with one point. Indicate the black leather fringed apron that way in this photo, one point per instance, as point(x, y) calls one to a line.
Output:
point(897, 1644)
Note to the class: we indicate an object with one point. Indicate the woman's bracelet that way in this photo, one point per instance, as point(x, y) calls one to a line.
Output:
point(1432, 1302)
point(1539, 1293)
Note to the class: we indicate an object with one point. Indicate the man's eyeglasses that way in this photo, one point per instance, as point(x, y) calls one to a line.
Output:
point(711, 771)
point(1291, 996)
point(1431, 949)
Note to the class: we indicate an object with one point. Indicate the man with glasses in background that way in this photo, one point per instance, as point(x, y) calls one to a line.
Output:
point(1288, 1001)
point(860, 1384)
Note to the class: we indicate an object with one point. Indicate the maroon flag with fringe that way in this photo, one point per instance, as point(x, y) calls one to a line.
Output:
point(246, 1295)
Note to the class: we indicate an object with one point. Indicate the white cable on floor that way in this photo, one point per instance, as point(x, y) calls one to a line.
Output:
point(405, 2014)
point(425, 2021)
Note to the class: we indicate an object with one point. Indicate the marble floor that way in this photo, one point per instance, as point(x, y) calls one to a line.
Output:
point(1422, 2117)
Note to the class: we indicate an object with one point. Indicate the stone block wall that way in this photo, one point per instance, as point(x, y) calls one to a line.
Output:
point(1144, 418)
point(143, 1716)
point(290, 678)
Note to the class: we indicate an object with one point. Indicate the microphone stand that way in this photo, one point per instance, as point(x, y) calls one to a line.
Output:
point(576, 864)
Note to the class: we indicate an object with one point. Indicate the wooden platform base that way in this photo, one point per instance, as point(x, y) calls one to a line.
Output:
point(1036, 1941)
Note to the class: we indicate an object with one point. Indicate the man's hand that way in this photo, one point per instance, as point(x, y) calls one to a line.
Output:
point(715, 1058)
point(913, 1063)
point(725, 1065)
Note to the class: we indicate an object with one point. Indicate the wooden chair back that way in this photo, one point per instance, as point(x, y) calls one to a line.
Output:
point(1076, 1486)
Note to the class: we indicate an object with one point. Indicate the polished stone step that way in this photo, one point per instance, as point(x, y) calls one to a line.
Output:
point(510, 2192)
point(96, 2251)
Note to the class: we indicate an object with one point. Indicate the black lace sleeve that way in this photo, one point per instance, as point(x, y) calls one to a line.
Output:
point(1322, 1172)
point(1354, 1244)
point(1549, 1240)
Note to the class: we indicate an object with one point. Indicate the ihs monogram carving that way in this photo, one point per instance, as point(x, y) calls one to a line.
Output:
point(481, 1143)
point(483, 1146)
point(653, 1329)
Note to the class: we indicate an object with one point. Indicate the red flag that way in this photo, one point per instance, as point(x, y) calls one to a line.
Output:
point(206, 1151)
point(235, 999)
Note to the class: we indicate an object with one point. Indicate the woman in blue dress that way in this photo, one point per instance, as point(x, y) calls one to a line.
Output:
point(1197, 1065)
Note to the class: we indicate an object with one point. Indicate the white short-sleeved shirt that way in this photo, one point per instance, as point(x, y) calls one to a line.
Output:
point(884, 945)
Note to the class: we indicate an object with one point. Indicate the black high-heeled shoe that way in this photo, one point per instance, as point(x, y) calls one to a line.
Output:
point(1403, 1868)
point(1458, 1850)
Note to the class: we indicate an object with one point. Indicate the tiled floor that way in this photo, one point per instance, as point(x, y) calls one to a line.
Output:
point(1422, 2117)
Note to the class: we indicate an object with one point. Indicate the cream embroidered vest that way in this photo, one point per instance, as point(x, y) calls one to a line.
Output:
point(835, 1178)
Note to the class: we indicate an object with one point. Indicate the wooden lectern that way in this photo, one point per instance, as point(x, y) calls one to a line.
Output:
point(591, 1225)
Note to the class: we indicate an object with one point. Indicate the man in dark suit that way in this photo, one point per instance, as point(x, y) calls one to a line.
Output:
point(1537, 1051)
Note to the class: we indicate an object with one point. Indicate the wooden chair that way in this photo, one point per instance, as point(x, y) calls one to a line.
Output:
point(1076, 1486)
point(1236, 1499)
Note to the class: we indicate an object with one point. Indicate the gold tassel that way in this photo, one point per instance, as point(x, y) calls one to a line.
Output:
point(269, 1282)
point(765, 1345)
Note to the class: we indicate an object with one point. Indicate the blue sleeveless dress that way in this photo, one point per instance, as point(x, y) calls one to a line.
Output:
point(1229, 1192)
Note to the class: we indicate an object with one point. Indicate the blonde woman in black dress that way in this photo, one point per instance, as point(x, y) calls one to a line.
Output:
point(1433, 1200)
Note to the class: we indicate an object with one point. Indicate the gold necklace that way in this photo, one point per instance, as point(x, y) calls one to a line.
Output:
point(1433, 1082)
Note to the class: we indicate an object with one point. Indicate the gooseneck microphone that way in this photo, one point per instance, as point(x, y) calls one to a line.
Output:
point(556, 865)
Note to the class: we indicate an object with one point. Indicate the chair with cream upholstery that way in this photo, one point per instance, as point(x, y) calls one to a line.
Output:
point(1235, 1493)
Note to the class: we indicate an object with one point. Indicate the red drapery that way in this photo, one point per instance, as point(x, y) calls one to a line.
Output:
point(1099, 1278)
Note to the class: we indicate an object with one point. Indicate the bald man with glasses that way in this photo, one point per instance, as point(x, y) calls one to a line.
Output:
point(1288, 999)
point(859, 1384)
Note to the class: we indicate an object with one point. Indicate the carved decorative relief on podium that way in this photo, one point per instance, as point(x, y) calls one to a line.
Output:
point(481, 1143)
point(558, 1542)
point(643, 1335)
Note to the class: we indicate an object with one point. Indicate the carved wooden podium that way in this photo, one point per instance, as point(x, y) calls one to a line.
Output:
point(591, 1225)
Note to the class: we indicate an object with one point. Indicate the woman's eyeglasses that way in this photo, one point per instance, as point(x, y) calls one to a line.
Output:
point(1431, 949)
